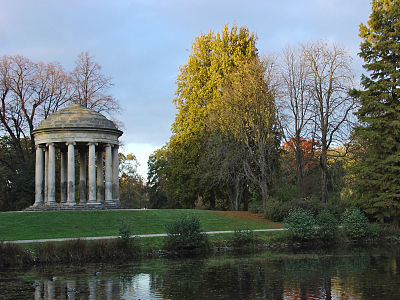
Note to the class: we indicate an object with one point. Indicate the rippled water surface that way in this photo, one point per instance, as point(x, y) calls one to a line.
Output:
point(342, 274)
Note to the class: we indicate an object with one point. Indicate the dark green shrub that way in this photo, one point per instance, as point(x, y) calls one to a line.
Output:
point(355, 223)
point(374, 231)
point(310, 204)
point(285, 193)
point(124, 230)
point(327, 225)
point(243, 238)
point(276, 211)
point(300, 224)
point(255, 207)
point(127, 244)
point(185, 234)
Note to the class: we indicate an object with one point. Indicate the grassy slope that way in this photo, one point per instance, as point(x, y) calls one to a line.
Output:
point(39, 225)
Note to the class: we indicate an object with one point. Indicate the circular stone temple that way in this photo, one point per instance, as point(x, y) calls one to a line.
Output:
point(72, 138)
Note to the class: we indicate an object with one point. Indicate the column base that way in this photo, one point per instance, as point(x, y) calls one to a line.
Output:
point(78, 206)
point(93, 203)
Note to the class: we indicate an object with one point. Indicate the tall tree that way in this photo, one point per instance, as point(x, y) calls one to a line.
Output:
point(199, 85)
point(132, 190)
point(378, 173)
point(91, 86)
point(331, 79)
point(248, 113)
point(296, 107)
point(156, 179)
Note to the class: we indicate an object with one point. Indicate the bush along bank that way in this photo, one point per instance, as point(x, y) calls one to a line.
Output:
point(303, 228)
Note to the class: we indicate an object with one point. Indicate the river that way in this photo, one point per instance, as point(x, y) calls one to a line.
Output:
point(352, 273)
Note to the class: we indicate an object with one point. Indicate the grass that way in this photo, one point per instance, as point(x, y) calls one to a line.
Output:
point(59, 224)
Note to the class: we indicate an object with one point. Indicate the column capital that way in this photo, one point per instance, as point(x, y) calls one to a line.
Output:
point(40, 146)
point(70, 143)
point(116, 146)
point(92, 143)
point(49, 144)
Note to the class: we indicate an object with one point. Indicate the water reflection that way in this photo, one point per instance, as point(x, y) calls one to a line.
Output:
point(371, 274)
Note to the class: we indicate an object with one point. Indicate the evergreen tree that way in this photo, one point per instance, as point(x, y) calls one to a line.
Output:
point(377, 183)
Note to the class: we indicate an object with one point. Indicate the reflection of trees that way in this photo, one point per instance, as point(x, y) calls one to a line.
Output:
point(369, 275)
point(381, 280)
point(308, 277)
point(195, 279)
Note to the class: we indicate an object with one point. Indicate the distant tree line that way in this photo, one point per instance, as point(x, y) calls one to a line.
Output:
point(235, 109)
point(253, 129)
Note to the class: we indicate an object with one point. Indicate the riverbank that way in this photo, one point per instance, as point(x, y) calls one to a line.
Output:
point(122, 250)
point(115, 250)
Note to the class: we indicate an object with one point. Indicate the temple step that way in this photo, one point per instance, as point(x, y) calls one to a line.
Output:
point(78, 206)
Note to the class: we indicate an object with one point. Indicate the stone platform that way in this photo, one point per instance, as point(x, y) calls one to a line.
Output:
point(63, 206)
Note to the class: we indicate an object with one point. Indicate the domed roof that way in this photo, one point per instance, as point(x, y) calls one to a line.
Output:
point(76, 116)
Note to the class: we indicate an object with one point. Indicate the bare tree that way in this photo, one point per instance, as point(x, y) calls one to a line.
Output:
point(54, 87)
point(296, 111)
point(330, 82)
point(30, 92)
point(90, 85)
point(19, 104)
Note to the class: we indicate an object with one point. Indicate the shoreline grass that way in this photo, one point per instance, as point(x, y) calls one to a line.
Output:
point(75, 224)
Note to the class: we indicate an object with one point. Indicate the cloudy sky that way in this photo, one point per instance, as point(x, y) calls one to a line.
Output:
point(142, 43)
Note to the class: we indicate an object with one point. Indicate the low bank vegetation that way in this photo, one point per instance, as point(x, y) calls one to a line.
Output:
point(185, 235)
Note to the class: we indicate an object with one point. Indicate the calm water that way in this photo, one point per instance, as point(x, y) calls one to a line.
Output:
point(341, 274)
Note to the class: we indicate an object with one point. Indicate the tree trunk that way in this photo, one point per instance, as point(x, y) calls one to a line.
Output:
point(236, 194)
point(212, 202)
point(324, 174)
point(245, 197)
point(299, 169)
point(264, 193)
point(395, 222)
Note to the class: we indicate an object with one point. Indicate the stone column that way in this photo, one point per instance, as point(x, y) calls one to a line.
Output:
point(92, 290)
point(63, 176)
point(115, 179)
point(50, 290)
point(46, 174)
point(38, 291)
point(39, 175)
point(92, 173)
point(82, 175)
point(108, 174)
point(51, 181)
point(71, 174)
point(100, 176)
point(109, 289)
point(70, 292)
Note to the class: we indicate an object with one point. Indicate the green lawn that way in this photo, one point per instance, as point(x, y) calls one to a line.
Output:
point(57, 224)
